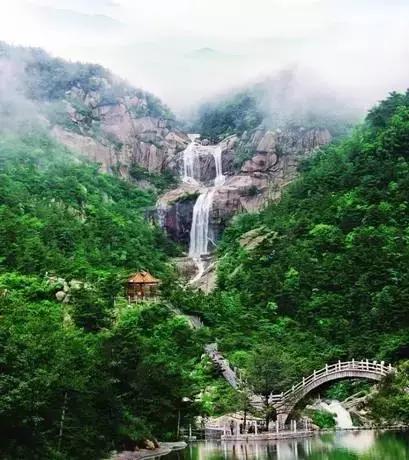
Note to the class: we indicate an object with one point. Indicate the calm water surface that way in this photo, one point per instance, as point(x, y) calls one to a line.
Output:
point(354, 445)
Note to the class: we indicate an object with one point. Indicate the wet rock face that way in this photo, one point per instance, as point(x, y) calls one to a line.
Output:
point(269, 164)
point(206, 167)
point(178, 220)
point(174, 212)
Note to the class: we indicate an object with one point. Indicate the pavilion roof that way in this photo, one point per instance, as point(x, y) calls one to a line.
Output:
point(143, 278)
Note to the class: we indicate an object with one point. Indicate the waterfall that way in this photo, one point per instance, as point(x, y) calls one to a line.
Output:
point(191, 164)
point(217, 155)
point(199, 233)
point(343, 417)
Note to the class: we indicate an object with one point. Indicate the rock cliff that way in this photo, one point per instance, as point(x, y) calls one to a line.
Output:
point(123, 138)
point(90, 110)
point(257, 166)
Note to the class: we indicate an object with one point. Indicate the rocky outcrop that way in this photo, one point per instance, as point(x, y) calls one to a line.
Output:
point(257, 166)
point(273, 159)
point(87, 146)
point(115, 133)
point(175, 211)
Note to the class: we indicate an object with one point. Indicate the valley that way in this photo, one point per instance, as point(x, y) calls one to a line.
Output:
point(280, 242)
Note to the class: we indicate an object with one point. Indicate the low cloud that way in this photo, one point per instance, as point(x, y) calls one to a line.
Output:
point(188, 51)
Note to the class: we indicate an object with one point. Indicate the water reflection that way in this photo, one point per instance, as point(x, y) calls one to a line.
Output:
point(358, 445)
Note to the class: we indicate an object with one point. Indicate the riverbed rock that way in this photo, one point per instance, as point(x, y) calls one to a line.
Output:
point(185, 267)
point(60, 295)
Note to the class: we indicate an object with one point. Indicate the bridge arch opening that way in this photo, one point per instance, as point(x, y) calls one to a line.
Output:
point(286, 402)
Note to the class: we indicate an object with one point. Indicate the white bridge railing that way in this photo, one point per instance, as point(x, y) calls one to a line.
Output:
point(364, 367)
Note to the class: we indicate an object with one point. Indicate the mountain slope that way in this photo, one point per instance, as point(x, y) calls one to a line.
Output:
point(71, 347)
point(333, 254)
point(321, 275)
point(287, 100)
point(90, 110)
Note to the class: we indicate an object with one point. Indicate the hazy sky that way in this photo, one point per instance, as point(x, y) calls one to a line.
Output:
point(360, 47)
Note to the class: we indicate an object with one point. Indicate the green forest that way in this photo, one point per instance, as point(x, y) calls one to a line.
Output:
point(328, 277)
point(83, 373)
point(272, 103)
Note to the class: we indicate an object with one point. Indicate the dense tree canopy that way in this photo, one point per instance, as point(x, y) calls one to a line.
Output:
point(328, 280)
point(81, 377)
point(335, 254)
point(61, 215)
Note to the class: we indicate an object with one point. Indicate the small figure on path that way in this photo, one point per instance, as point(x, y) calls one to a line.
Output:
point(232, 427)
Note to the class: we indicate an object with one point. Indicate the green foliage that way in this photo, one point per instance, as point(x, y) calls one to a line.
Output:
point(60, 215)
point(337, 267)
point(323, 419)
point(344, 389)
point(117, 378)
point(270, 370)
point(106, 374)
point(391, 402)
point(234, 115)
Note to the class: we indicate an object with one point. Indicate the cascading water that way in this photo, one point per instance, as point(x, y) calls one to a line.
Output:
point(343, 417)
point(191, 165)
point(217, 155)
point(199, 233)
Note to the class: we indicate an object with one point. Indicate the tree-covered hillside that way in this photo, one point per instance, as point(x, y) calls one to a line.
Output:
point(286, 100)
point(323, 274)
point(89, 374)
point(60, 215)
point(45, 79)
point(335, 251)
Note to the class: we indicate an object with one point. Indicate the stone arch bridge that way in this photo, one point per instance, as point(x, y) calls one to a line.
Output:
point(284, 403)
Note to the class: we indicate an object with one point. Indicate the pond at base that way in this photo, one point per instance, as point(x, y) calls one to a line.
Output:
point(347, 445)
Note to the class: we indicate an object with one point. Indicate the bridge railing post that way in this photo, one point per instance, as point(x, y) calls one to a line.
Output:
point(326, 368)
point(353, 363)
point(367, 364)
point(339, 364)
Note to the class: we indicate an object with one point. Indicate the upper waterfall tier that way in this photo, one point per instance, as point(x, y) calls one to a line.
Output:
point(217, 155)
point(192, 155)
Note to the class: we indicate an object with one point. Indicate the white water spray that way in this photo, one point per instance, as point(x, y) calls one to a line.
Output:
point(217, 155)
point(191, 164)
point(199, 233)
point(343, 417)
